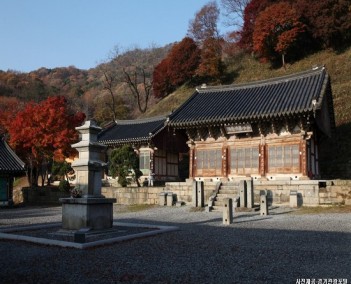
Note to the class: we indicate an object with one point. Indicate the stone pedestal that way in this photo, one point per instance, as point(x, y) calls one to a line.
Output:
point(94, 213)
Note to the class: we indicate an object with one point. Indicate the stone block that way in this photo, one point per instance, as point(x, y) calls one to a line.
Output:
point(170, 198)
point(304, 182)
point(312, 201)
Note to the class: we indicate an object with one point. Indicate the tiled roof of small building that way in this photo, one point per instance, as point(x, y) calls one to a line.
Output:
point(129, 131)
point(10, 163)
point(291, 95)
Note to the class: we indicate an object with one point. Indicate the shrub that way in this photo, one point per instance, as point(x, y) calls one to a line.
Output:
point(64, 186)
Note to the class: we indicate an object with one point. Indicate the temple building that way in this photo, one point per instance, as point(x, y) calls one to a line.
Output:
point(264, 129)
point(11, 166)
point(161, 153)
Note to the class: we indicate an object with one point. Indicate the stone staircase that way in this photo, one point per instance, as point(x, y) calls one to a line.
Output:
point(225, 190)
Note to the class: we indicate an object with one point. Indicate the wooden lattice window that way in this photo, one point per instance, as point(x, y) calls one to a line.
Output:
point(284, 158)
point(144, 162)
point(209, 159)
point(244, 160)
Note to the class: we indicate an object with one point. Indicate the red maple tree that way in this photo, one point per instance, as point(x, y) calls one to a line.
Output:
point(276, 29)
point(44, 131)
point(211, 66)
point(177, 68)
point(9, 106)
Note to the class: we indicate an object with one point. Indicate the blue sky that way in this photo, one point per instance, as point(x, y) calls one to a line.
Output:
point(82, 33)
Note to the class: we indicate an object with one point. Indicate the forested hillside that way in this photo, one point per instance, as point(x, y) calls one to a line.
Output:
point(86, 90)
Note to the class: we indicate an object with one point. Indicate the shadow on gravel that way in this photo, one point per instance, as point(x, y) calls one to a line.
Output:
point(250, 250)
point(30, 212)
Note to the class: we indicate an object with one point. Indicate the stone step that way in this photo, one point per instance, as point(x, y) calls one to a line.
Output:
point(221, 196)
point(218, 203)
point(228, 191)
point(217, 208)
point(231, 183)
point(230, 187)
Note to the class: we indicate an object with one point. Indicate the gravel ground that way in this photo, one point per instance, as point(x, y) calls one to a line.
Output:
point(282, 247)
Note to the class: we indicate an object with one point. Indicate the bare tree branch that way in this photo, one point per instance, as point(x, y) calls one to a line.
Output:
point(141, 93)
point(108, 86)
point(234, 11)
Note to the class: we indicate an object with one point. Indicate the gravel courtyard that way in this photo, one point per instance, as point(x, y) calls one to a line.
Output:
point(283, 247)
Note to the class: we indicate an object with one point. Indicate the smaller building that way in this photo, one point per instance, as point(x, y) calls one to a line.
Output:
point(159, 150)
point(11, 166)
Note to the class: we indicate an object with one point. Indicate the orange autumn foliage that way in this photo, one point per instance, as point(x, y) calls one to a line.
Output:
point(45, 130)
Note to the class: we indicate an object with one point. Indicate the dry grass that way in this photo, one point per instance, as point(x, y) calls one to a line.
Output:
point(323, 209)
point(170, 103)
point(134, 208)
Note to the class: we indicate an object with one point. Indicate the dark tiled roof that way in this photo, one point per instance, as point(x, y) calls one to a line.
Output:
point(284, 96)
point(9, 161)
point(129, 131)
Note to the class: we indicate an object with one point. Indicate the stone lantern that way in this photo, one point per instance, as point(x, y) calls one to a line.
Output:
point(91, 210)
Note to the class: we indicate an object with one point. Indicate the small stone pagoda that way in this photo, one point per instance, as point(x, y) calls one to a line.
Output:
point(91, 210)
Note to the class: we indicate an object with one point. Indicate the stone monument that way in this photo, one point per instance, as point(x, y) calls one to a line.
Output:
point(91, 210)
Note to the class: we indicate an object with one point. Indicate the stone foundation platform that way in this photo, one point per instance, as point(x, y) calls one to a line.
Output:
point(94, 213)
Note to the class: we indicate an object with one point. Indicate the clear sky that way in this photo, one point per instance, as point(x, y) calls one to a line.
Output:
point(82, 33)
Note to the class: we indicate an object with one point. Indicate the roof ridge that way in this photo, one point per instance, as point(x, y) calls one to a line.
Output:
point(13, 154)
point(292, 76)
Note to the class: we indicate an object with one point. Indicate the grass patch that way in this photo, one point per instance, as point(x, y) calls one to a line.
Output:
point(134, 208)
point(197, 209)
point(323, 209)
point(170, 103)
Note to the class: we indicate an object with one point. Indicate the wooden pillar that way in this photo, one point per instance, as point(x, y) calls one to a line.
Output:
point(224, 161)
point(191, 163)
point(303, 157)
point(152, 162)
point(262, 162)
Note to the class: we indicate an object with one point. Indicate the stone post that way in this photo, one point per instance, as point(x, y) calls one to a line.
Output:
point(227, 211)
point(293, 198)
point(250, 193)
point(200, 194)
point(194, 195)
point(242, 193)
point(263, 203)
point(162, 198)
